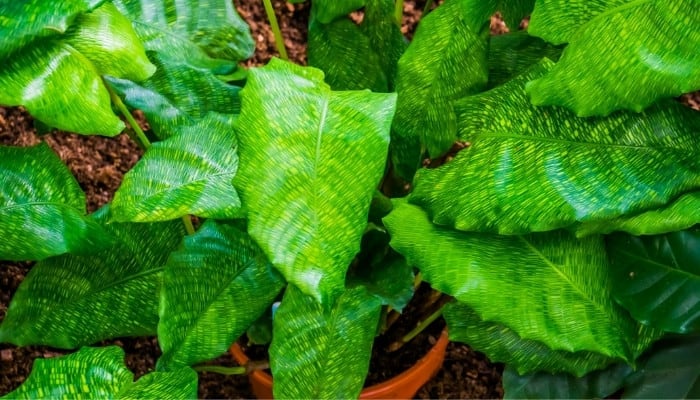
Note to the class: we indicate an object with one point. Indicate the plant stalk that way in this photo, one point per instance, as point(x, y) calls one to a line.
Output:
point(418, 329)
point(426, 9)
point(398, 12)
point(221, 370)
point(279, 41)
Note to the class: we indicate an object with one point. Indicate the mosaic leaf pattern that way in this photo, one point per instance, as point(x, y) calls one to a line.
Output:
point(524, 173)
point(308, 171)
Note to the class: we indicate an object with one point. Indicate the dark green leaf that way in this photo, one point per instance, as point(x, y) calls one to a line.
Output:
point(319, 354)
point(70, 301)
point(524, 172)
point(260, 331)
point(445, 61)
point(189, 173)
point(513, 53)
point(657, 278)
point(97, 373)
point(626, 57)
point(308, 171)
point(42, 208)
point(179, 384)
point(512, 11)
point(326, 11)
point(379, 24)
point(595, 385)
point(214, 288)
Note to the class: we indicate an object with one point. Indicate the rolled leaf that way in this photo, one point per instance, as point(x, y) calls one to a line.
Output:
point(657, 278)
point(523, 173)
point(214, 288)
point(42, 207)
point(321, 354)
point(308, 171)
point(325, 11)
point(188, 173)
point(627, 57)
point(179, 384)
point(558, 286)
point(116, 288)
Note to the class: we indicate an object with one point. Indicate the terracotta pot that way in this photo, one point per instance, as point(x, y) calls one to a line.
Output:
point(402, 386)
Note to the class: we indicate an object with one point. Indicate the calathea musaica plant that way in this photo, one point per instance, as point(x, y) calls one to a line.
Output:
point(565, 231)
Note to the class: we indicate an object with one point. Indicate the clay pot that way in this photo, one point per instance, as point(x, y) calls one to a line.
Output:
point(402, 386)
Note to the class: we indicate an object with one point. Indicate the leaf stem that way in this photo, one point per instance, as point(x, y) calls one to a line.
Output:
point(279, 41)
point(424, 324)
point(426, 9)
point(398, 11)
point(221, 370)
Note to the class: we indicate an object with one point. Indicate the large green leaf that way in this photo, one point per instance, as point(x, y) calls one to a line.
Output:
point(595, 385)
point(321, 354)
point(513, 53)
point(214, 288)
point(179, 384)
point(42, 208)
point(445, 61)
point(70, 301)
point(189, 173)
point(557, 285)
point(326, 11)
point(628, 56)
point(657, 278)
point(176, 95)
point(59, 80)
point(308, 171)
point(524, 172)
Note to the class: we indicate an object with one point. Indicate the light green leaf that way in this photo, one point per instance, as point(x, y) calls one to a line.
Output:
point(308, 171)
point(179, 384)
point(70, 301)
point(96, 373)
point(214, 288)
point(558, 286)
point(445, 61)
point(326, 11)
point(513, 53)
point(189, 173)
point(627, 57)
point(321, 354)
point(525, 173)
point(657, 278)
point(595, 385)
point(42, 208)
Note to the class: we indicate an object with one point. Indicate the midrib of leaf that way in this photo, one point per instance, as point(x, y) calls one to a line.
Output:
point(333, 319)
point(317, 160)
point(570, 142)
point(188, 183)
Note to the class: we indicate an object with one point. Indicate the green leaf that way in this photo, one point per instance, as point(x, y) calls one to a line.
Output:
point(445, 61)
point(558, 286)
point(388, 42)
point(671, 369)
point(595, 385)
point(89, 373)
point(189, 173)
point(627, 57)
point(42, 208)
point(657, 278)
point(206, 34)
point(176, 95)
point(308, 171)
point(326, 11)
point(320, 354)
point(513, 53)
point(179, 384)
point(525, 173)
point(70, 301)
point(512, 11)
point(214, 288)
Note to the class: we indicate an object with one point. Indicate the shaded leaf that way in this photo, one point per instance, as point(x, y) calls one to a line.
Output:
point(89, 373)
point(524, 173)
point(558, 286)
point(116, 288)
point(179, 384)
point(379, 24)
point(319, 354)
point(657, 278)
point(512, 11)
point(513, 53)
point(308, 171)
point(445, 61)
point(326, 11)
point(626, 57)
point(188, 173)
point(214, 288)
point(42, 207)
point(595, 385)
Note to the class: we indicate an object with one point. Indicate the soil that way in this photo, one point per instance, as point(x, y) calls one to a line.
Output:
point(99, 165)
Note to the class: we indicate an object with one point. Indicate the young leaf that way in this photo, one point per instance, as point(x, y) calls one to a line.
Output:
point(308, 171)
point(188, 173)
point(317, 353)
point(513, 53)
point(541, 385)
point(657, 278)
point(214, 288)
point(42, 208)
point(445, 61)
point(178, 384)
point(89, 373)
point(566, 279)
point(524, 173)
point(117, 288)
point(325, 11)
point(626, 57)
